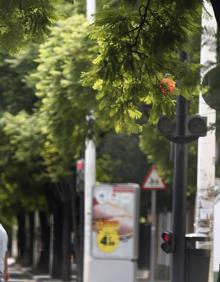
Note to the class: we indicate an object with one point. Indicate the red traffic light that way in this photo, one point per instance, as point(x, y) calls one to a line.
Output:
point(80, 165)
point(167, 236)
point(168, 245)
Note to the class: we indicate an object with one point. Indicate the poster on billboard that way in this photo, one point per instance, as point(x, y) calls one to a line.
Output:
point(115, 221)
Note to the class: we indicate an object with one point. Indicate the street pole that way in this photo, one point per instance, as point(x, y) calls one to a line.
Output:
point(153, 234)
point(179, 195)
point(90, 9)
point(185, 130)
point(90, 177)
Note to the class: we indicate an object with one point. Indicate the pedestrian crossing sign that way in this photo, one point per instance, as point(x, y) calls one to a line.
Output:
point(153, 181)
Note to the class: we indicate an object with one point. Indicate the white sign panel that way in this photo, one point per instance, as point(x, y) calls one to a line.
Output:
point(115, 221)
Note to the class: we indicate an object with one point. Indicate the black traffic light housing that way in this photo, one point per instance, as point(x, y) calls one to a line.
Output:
point(168, 243)
point(195, 127)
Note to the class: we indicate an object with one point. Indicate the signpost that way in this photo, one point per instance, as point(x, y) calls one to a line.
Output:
point(153, 181)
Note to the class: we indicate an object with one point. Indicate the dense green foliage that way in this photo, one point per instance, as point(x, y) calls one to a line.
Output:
point(120, 159)
point(44, 105)
point(63, 102)
point(21, 141)
point(22, 21)
point(138, 46)
point(15, 93)
point(25, 21)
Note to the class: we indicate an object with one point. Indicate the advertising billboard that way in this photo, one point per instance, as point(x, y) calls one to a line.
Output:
point(115, 221)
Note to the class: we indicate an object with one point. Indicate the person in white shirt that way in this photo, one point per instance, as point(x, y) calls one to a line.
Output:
point(3, 255)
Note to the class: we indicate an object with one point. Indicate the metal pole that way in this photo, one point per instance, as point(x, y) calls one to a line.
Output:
point(90, 9)
point(90, 178)
point(153, 234)
point(179, 196)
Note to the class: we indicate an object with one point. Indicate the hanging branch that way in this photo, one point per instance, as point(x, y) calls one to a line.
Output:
point(142, 22)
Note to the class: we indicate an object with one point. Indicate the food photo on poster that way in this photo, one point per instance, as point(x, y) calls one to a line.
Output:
point(114, 221)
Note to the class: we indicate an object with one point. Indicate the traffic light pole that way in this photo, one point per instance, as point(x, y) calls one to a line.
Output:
point(153, 234)
point(179, 195)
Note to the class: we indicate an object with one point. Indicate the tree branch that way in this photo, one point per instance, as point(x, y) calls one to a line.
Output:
point(142, 22)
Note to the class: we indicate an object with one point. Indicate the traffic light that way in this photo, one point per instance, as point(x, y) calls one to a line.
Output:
point(195, 127)
point(80, 172)
point(166, 126)
point(168, 245)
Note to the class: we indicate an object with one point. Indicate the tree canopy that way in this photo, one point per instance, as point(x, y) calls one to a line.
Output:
point(139, 43)
point(22, 21)
point(48, 90)
point(25, 21)
point(63, 102)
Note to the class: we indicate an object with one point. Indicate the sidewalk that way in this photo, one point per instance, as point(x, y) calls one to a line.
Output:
point(22, 274)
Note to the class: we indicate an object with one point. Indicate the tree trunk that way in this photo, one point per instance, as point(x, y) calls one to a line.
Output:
point(78, 227)
point(31, 239)
point(57, 245)
point(62, 230)
point(22, 239)
point(77, 204)
point(43, 263)
point(66, 242)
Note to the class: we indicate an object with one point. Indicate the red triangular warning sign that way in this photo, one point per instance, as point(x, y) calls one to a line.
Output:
point(153, 181)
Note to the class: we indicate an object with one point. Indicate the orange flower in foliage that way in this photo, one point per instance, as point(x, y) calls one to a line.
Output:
point(167, 86)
